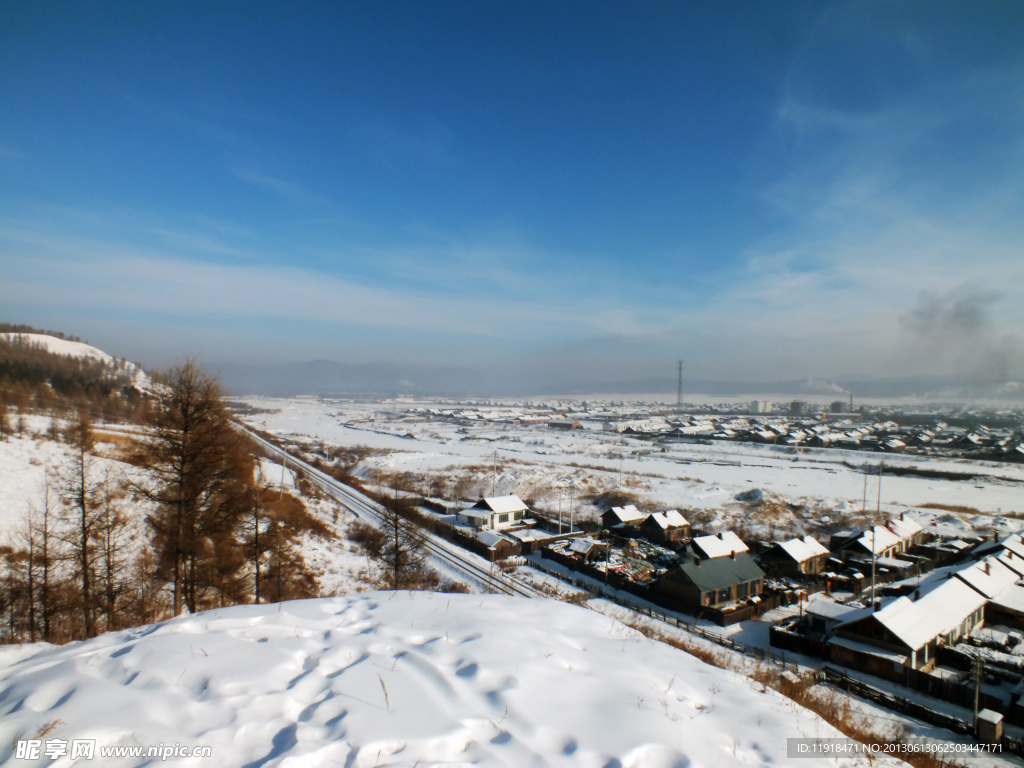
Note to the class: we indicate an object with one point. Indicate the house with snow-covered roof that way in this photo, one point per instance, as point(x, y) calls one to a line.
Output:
point(496, 512)
point(714, 583)
point(666, 527)
point(628, 515)
point(906, 632)
point(796, 556)
point(889, 540)
point(498, 547)
point(721, 544)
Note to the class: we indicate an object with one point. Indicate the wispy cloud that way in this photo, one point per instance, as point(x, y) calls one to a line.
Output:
point(289, 189)
point(191, 121)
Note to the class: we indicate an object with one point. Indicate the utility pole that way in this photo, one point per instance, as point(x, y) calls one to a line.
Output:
point(572, 502)
point(977, 670)
point(874, 536)
point(494, 476)
point(559, 510)
point(864, 501)
point(679, 388)
point(881, 468)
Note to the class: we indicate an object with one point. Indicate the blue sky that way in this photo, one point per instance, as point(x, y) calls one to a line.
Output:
point(769, 190)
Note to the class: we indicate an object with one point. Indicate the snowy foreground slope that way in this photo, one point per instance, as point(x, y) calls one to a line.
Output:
point(398, 678)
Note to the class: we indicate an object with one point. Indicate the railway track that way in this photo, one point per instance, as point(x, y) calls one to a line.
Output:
point(363, 507)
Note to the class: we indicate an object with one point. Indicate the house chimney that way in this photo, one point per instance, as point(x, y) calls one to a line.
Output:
point(696, 561)
point(901, 515)
point(732, 554)
point(917, 595)
point(720, 537)
point(986, 567)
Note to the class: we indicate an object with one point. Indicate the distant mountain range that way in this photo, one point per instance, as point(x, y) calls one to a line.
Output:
point(327, 377)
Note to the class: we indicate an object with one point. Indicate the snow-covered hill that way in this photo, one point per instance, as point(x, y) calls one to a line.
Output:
point(61, 346)
point(80, 350)
point(397, 678)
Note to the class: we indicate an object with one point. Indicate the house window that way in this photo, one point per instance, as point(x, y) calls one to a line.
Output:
point(741, 590)
point(518, 516)
point(503, 518)
point(724, 595)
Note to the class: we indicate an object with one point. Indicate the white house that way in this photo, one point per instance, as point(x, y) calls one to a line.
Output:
point(495, 512)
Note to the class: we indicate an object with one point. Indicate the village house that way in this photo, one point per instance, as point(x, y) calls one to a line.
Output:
point(587, 549)
point(894, 538)
point(666, 527)
point(628, 515)
point(721, 544)
point(905, 633)
point(821, 617)
point(796, 556)
point(495, 513)
point(714, 583)
point(497, 546)
point(564, 424)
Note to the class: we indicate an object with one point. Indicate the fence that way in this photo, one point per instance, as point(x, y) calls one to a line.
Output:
point(761, 654)
point(844, 682)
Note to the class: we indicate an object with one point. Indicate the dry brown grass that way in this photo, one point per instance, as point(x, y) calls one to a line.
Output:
point(952, 508)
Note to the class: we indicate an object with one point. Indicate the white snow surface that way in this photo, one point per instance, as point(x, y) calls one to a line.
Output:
point(398, 678)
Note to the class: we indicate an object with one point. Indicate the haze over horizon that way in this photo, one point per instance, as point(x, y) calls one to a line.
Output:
point(769, 192)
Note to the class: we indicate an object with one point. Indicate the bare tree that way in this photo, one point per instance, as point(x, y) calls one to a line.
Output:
point(112, 532)
point(405, 543)
point(200, 474)
point(257, 540)
point(78, 492)
point(44, 544)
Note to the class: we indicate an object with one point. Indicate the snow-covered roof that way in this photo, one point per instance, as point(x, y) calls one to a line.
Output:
point(871, 650)
point(582, 546)
point(881, 537)
point(803, 549)
point(670, 519)
point(490, 539)
point(720, 545)
point(989, 577)
point(905, 527)
point(501, 504)
point(894, 562)
point(937, 613)
point(829, 609)
point(627, 514)
point(530, 534)
point(1014, 543)
point(1011, 599)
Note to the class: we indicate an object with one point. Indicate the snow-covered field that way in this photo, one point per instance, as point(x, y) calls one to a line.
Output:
point(398, 678)
point(810, 490)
